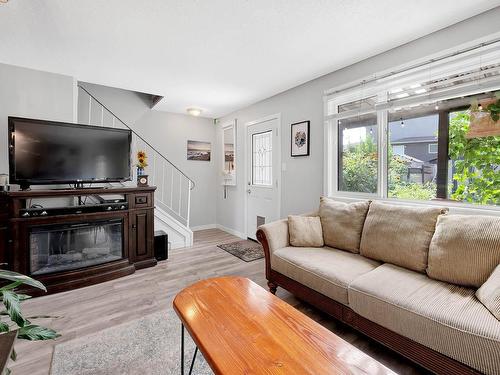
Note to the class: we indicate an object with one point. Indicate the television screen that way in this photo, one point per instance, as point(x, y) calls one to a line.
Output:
point(45, 152)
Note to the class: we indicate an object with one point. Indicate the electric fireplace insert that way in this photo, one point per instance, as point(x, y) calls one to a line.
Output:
point(63, 247)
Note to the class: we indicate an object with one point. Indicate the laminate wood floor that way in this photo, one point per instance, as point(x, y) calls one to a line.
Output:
point(88, 310)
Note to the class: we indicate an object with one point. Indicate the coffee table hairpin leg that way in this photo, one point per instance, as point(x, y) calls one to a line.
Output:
point(182, 353)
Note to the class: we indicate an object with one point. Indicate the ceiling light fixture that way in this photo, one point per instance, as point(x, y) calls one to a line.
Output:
point(194, 111)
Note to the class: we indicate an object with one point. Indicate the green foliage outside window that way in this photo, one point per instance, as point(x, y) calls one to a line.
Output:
point(476, 168)
point(413, 191)
point(476, 163)
point(400, 188)
point(359, 173)
point(359, 169)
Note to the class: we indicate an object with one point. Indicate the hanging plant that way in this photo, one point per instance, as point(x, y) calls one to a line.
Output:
point(484, 118)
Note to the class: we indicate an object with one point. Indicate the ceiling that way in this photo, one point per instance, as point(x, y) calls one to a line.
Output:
point(218, 55)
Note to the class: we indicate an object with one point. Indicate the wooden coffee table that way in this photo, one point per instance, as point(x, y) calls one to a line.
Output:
point(242, 329)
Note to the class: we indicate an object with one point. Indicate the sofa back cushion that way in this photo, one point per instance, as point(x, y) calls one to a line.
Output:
point(399, 234)
point(305, 231)
point(342, 223)
point(465, 249)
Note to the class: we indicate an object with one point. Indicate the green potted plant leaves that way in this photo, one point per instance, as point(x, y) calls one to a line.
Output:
point(11, 318)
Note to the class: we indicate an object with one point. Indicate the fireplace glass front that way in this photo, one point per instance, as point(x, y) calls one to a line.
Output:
point(56, 248)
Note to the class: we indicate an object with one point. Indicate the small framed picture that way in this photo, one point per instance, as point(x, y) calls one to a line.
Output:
point(199, 150)
point(300, 139)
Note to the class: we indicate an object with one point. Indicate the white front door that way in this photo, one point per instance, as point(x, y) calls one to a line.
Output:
point(263, 173)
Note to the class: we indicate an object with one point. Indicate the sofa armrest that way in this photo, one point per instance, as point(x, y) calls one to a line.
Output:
point(273, 236)
point(276, 234)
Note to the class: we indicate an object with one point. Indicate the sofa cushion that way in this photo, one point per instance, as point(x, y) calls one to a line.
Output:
point(465, 249)
point(326, 270)
point(305, 231)
point(489, 293)
point(445, 317)
point(399, 234)
point(342, 223)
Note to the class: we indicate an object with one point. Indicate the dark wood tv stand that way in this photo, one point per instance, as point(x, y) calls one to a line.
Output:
point(137, 234)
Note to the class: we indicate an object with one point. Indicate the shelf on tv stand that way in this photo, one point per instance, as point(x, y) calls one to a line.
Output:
point(73, 191)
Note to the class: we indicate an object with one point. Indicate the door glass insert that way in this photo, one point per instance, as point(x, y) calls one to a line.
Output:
point(262, 153)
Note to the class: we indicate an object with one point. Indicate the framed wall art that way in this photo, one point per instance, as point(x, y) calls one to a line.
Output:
point(199, 150)
point(300, 135)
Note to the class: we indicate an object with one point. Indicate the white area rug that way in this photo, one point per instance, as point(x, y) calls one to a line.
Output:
point(150, 345)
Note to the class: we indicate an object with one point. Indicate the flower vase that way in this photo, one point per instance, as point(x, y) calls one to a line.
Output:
point(140, 171)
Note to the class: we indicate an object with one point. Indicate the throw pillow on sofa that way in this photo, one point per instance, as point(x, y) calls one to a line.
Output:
point(305, 231)
point(489, 293)
point(399, 234)
point(465, 249)
point(342, 223)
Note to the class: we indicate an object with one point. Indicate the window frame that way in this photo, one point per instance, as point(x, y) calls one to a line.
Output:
point(403, 148)
point(429, 148)
point(382, 108)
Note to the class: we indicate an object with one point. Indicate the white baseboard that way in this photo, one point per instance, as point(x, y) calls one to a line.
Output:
point(232, 231)
point(177, 244)
point(221, 227)
point(203, 227)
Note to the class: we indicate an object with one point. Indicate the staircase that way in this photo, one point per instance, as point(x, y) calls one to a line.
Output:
point(173, 194)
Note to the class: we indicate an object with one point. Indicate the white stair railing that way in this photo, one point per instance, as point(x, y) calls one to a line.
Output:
point(173, 193)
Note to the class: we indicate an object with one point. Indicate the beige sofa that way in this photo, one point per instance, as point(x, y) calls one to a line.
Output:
point(406, 276)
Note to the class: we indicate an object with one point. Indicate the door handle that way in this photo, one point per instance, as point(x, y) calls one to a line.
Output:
point(249, 191)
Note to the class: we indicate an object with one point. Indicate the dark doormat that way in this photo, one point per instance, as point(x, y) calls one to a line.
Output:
point(245, 250)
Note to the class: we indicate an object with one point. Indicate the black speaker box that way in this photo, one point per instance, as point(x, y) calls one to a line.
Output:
point(161, 245)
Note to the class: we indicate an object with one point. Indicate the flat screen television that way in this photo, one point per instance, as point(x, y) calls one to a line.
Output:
point(49, 152)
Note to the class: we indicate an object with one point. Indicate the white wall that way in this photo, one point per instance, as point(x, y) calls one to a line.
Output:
point(169, 133)
point(129, 106)
point(302, 182)
point(32, 93)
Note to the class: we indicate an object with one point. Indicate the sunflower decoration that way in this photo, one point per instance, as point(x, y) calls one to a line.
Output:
point(142, 159)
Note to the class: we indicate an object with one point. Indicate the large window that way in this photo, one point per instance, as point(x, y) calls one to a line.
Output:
point(358, 154)
point(420, 136)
